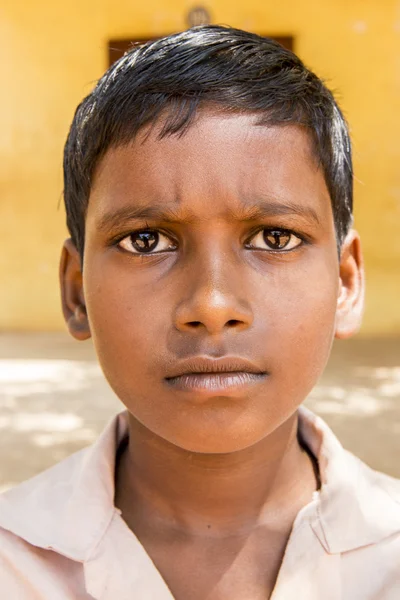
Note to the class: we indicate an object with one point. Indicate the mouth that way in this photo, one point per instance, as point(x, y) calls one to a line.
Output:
point(215, 383)
point(227, 375)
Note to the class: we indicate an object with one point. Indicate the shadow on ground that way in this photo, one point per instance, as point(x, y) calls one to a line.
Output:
point(54, 400)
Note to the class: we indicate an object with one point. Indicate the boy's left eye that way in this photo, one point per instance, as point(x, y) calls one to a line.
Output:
point(275, 240)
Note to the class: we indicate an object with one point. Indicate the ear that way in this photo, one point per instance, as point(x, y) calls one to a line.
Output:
point(350, 302)
point(72, 298)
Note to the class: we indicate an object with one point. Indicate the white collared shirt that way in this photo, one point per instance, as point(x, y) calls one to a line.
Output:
point(61, 537)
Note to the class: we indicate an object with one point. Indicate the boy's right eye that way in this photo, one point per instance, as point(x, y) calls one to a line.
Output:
point(146, 241)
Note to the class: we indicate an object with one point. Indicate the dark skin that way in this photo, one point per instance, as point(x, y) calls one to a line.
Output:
point(213, 476)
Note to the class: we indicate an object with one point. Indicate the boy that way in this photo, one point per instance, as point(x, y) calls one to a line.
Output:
point(208, 189)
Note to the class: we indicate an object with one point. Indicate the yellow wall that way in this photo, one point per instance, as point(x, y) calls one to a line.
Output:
point(53, 51)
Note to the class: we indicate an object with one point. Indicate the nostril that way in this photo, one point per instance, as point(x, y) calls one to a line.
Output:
point(230, 323)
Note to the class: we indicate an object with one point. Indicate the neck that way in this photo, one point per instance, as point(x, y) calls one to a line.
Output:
point(222, 493)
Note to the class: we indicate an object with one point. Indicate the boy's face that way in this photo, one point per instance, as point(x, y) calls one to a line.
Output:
point(242, 262)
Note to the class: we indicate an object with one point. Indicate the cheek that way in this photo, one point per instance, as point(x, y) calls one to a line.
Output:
point(303, 327)
point(126, 321)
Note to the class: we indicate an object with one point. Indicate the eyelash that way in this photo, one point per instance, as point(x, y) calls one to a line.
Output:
point(282, 231)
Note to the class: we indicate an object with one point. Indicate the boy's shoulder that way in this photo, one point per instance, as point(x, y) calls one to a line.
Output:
point(356, 504)
point(69, 509)
point(36, 506)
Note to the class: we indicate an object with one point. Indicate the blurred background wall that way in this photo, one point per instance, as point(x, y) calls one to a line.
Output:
point(53, 52)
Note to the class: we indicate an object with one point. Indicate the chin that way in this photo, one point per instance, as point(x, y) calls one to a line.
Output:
point(221, 425)
point(225, 439)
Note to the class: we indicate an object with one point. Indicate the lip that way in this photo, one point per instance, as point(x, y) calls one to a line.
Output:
point(225, 375)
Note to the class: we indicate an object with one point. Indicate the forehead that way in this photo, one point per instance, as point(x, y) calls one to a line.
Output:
point(219, 161)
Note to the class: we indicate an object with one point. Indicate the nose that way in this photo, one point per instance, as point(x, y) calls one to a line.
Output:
point(214, 298)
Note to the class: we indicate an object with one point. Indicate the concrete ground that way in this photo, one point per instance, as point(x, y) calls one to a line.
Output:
point(54, 400)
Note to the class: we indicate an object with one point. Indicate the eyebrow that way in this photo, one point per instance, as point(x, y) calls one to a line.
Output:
point(170, 214)
point(273, 208)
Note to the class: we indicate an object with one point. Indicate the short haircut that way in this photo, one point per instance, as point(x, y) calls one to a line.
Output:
point(175, 76)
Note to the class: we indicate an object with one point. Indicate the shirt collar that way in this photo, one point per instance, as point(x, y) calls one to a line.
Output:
point(357, 506)
point(69, 508)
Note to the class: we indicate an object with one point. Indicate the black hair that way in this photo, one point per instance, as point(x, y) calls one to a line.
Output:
point(177, 75)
